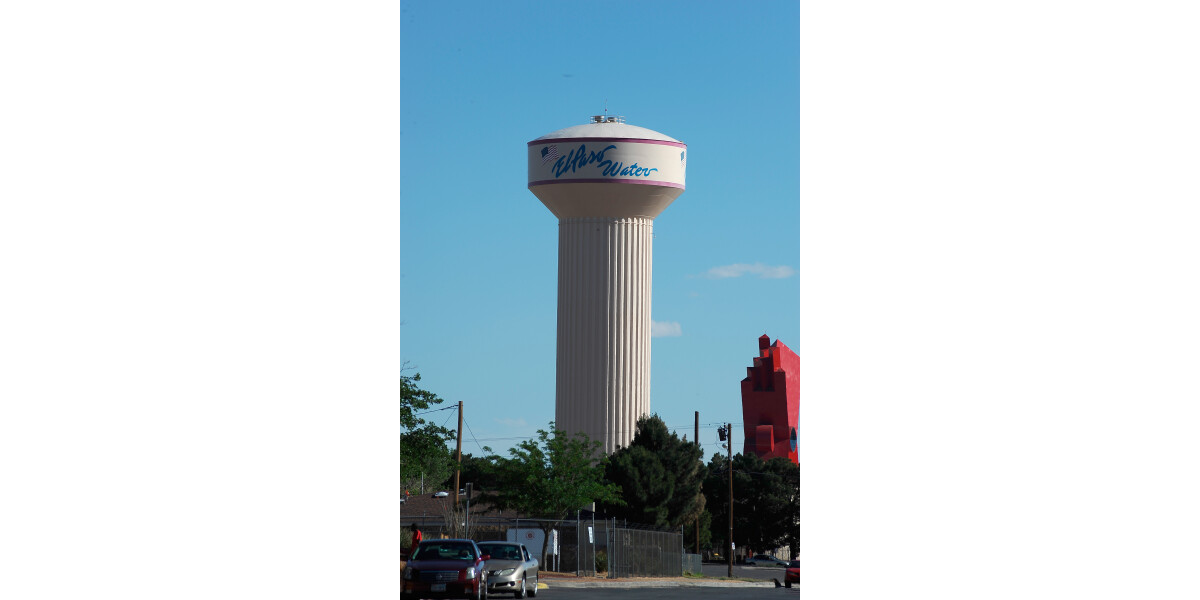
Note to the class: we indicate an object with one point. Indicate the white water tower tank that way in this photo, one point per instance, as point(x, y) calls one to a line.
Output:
point(606, 181)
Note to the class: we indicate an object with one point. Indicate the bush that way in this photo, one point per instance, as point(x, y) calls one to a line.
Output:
point(601, 561)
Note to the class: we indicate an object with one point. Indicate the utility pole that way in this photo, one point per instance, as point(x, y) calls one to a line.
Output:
point(697, 438)
point(458, 454)
point(729, 447)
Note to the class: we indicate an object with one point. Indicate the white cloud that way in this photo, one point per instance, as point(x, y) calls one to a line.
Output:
point(665, 329)
point(737, 270)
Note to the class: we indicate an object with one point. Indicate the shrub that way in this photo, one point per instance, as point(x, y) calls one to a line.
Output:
point(601, 561)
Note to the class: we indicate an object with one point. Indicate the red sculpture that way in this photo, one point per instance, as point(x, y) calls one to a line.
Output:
point(771, 402)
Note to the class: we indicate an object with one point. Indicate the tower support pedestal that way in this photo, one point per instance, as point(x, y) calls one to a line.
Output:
point(603, 360)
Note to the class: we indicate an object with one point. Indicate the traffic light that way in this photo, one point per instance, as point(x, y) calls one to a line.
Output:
point(721, 433)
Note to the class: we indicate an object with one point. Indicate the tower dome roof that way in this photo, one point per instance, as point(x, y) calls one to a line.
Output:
point(611, 129)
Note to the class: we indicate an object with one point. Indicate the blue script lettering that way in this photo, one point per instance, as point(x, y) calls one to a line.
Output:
point(578, 159)
point(615, 169)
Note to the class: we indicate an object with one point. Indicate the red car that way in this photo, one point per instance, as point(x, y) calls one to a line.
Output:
point(791, 574)
point(445, 569)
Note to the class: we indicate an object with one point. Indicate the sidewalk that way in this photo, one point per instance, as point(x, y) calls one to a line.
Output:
point(563, 580)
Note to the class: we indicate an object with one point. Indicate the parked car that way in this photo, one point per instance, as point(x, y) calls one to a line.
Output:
point(765, 560)
point(792, 573)
point(511, 570)
point(441, 494)
point(445, 569)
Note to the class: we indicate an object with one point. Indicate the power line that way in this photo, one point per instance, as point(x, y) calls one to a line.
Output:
point(472, 434)
point(675, 430)
point(434, 410)
point(448, 417)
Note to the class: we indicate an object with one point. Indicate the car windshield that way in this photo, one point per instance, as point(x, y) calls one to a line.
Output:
point(501, 552)
point(795, 564)
point(444, 551)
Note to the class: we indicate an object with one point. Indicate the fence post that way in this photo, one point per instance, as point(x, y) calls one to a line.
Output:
point(608, 548)
point(613, 565)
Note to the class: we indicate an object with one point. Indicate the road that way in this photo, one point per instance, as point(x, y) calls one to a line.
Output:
point(743, 572)
point(679, 593)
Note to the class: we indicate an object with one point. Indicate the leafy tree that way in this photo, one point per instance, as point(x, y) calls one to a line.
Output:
point(788, 483)
point(659, 475)
point(424, 456)
point(425, 460)
point(480, 471)
point(550, 478)
point(689, 533)
point(413, 399)
point(766, 501)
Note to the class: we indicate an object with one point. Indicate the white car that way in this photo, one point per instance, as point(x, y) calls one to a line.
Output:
point(441, 494)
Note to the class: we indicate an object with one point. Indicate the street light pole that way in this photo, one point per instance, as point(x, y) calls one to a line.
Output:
point(467, 515)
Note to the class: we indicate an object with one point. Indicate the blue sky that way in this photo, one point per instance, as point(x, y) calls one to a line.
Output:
point(479, 251)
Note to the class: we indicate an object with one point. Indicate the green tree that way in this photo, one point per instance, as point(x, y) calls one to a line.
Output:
point(550, 478)
point(659, 475)
point(689, 533)
point(413, 399)
point(480, 471)
point(424, 455)
point(766, 502)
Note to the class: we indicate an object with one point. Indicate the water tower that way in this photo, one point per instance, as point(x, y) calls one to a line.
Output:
point(606, 181)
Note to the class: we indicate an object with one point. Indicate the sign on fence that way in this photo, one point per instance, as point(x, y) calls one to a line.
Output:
point(534, 539)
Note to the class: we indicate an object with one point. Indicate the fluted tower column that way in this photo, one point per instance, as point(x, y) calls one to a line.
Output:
point(606, 182)
point(603, 360)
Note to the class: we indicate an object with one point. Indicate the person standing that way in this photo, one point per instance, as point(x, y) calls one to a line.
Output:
point(416, 539)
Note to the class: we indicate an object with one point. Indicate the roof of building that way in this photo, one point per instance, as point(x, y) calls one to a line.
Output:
point(426, 504)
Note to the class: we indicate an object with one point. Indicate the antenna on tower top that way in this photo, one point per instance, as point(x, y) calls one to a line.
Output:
point(604, 118)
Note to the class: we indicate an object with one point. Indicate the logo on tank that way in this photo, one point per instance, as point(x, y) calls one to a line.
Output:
point(581, 158)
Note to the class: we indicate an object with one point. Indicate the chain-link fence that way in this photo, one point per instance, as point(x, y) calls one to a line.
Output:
point(586, 547)
point(643, 552)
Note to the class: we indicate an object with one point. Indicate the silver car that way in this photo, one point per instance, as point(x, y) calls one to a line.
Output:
point(510, 569)
point(765, 560)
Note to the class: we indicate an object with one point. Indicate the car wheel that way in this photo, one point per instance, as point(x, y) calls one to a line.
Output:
point(533, 590)
point(520, 593)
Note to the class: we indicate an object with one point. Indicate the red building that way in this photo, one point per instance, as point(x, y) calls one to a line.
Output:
point(771, 402)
